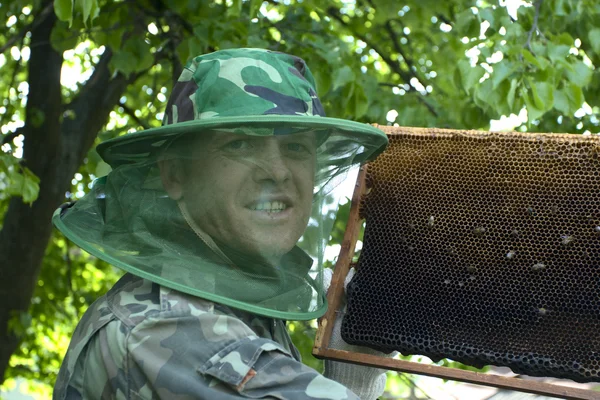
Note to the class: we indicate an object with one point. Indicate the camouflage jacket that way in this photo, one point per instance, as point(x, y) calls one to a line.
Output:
point(145, 341)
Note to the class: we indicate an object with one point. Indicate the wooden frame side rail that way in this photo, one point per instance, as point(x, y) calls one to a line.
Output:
point(334, 296)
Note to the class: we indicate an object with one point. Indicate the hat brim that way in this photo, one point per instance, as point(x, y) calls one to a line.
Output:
point(142, 145)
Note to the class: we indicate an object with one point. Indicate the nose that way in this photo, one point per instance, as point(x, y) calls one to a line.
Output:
point(272, 166)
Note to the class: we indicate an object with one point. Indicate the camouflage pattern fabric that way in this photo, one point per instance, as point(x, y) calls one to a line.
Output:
point(145, 341)
point(247, 82)
point(247, 91)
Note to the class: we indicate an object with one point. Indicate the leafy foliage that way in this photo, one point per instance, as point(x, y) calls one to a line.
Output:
point(16, 180)
point(456, 63)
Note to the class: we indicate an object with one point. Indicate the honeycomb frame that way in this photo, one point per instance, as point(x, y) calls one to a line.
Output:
point(452, 239)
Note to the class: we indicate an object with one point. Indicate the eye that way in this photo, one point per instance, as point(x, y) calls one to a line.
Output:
point(297, 147)
point(239, 144)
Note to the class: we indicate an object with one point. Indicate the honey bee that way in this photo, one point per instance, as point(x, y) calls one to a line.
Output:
point(511, 254)
point(565, 240)
point(431, 221)
point(538, 266)
point(480, 230)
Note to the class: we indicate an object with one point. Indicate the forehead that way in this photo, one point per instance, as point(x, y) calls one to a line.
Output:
point(193, 145)
point(215, 139)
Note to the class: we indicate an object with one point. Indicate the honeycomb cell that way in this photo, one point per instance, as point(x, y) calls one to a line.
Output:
point(484, 248)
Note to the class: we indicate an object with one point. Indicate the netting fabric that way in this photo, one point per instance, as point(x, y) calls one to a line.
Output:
point(234, 208)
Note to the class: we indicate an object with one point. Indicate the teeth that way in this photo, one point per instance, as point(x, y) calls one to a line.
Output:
point(270, 206)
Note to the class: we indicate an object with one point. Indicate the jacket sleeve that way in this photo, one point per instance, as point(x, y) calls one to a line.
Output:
point(212, 356)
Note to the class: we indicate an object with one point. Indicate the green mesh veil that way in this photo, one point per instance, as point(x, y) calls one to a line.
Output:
point(236, 209)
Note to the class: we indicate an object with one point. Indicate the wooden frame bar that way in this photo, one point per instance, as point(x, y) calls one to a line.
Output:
point(335, 294)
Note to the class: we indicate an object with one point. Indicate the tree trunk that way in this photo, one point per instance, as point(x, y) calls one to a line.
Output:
point(53, 149)
point(26, 229)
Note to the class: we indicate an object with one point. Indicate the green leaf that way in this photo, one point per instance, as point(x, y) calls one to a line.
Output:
point(501, 71)
point(594, 37)
point(17, 180)
point(475, 118)
point(323, 81)
point(342, 76)
point(543, 95)
point(469, 75)
point(575, 95)
point(254, 8)
point(492, 100)
point(561, 102)
point(30, 187)
point(85, 6)
point(533, 113)
point(540, 62)
point(361, 103)
point(95, 11)
point(124, 61)
point(568, 99)
point(539, 49)
point(510, 97)
point(64, 10)
point(356, 101)
point(384, 9)
point(235, 9)
point(581, 74)
point(487, 15)
point(557, 52)
point(530, 58)
point(537, 100)
point(467, 23)
point(195, 46)
point(565, 38)
point(562, 8)
point(18, 322)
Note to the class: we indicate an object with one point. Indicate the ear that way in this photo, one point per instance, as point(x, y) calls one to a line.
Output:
point(172, 177)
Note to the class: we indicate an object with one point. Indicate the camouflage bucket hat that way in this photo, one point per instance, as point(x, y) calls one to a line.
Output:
point(246, 91)
point(262, 167)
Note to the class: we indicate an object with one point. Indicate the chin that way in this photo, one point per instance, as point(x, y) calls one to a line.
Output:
point(272, 251)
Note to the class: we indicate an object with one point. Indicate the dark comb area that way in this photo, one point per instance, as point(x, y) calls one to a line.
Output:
point(483, 248)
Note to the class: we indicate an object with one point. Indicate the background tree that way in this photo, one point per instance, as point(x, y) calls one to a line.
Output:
point(77, 72)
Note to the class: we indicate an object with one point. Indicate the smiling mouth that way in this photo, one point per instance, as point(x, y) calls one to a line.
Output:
point(269, 206)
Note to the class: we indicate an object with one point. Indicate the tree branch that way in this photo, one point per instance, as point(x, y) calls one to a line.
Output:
point(389, 84)
point(429, 106)
point(334, 13)
point(419, 98)
point(399, 50)
point(10, 136)
point(131, 113)
point(534, 26)
point(36, 21)
point(394, 66)
point(10, 85)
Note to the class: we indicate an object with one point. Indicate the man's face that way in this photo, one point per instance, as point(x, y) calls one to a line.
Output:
point(251, 193)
